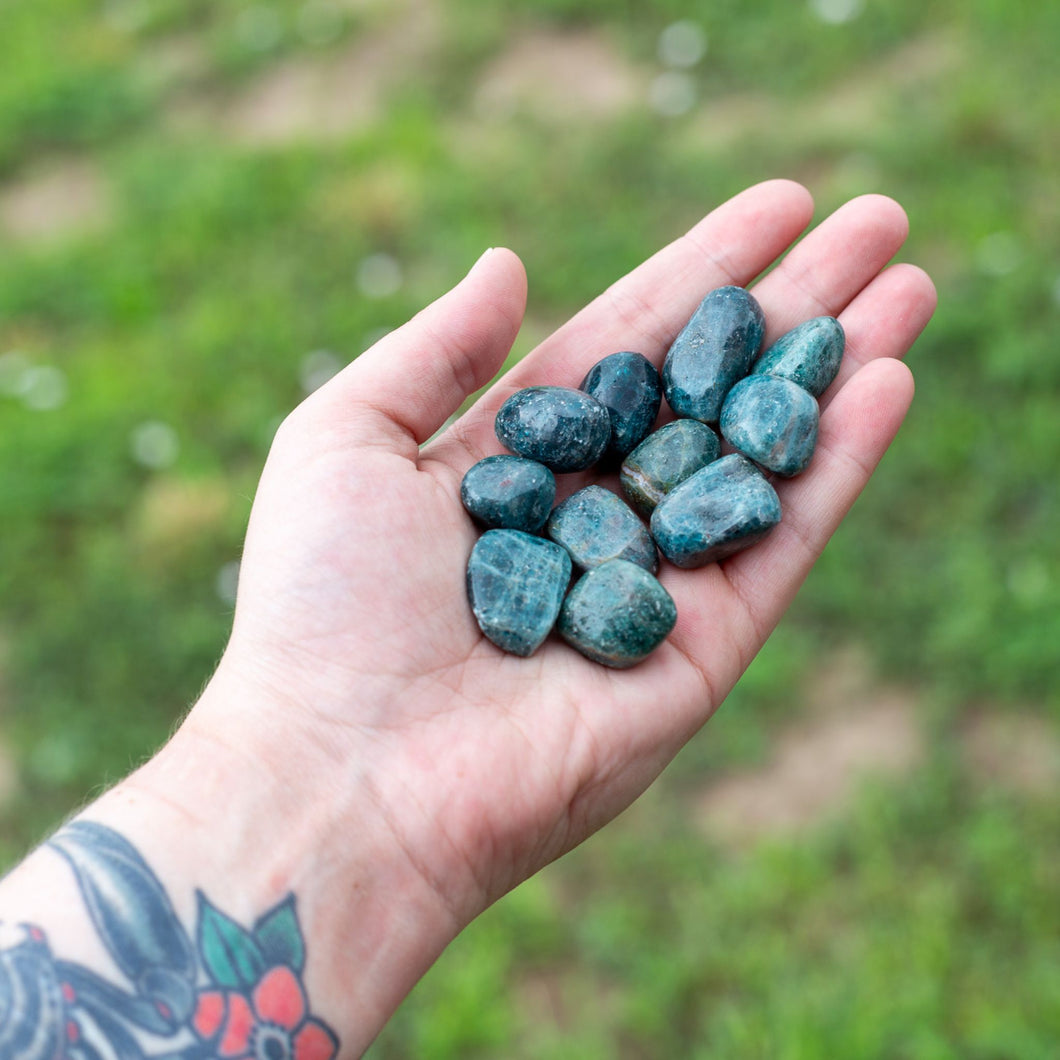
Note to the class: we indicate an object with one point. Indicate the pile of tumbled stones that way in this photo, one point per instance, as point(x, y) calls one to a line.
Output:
point(701, 506)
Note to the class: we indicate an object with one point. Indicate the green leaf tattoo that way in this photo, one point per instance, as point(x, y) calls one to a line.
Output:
point(279, 937)
point(232, 956)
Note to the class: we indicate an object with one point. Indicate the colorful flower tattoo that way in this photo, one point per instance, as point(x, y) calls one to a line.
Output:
point(232, 992)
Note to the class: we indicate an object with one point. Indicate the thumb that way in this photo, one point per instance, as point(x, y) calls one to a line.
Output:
point(403, 388)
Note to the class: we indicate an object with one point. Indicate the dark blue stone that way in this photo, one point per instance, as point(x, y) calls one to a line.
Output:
point(617, 614)
point(808, 355)
point(562, 428)
point(721, 509)
point(516, 583)
point(627, 385)
point(509, 492)
point(594, 526)
point(773, 421)
point(715, 349)
point(664, 459)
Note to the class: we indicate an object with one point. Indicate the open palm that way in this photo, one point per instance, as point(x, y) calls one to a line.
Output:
point(352, 616)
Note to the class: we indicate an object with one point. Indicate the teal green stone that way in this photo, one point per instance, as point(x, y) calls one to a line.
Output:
point(773, 421)
point(664, 459)
point(509, 492)
point(723, 508)
point(560, 427)
point(627, 384)
point(714, 349)
point(808, 355)
point(515, 584)
point(594, 526)
point(617, 614)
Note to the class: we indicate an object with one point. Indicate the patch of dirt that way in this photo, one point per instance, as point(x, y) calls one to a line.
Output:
point(562, 998)
point(854, 731)
point(321, 99)
point(175, 514)
point(561, 75)
point(52, 203)
point(1017, 752)
point(175, 62)
point(842, 110)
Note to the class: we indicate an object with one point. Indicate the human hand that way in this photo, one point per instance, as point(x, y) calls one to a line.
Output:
point(352, 621)
point(361, 745)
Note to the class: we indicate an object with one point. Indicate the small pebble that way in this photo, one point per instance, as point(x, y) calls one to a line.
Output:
point(721, 509)
point(594, 526)
point(773, 421)
point(509, 492)
point(627, 385)
point(664, 459)
point(617, 614)
point(515, 584)
point(714, 349)
point(808, 355)
point(560, 427)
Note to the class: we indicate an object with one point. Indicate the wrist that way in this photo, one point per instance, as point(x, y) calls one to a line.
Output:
point(247, 827)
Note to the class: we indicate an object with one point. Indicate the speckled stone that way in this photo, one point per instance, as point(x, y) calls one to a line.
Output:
point(721, 509)
point(617, 614)
point(509, 492)
point(664, 459)
point(560, 427)
point(715, 349)
point(594, 526)
point(627, 385)
point(773, 421)
point(516, 583)
point(808, 355)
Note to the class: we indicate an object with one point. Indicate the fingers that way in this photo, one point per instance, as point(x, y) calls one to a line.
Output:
point(399, 392)
point(743, 599)
point(821, 275)
point(884, 319)
point(645, 310)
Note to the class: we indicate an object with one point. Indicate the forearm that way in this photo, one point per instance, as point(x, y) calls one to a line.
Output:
point(136, 935)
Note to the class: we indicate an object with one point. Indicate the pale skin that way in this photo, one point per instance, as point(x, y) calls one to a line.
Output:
point(361, 744)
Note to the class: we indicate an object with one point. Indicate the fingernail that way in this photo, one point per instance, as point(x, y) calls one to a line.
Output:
point(485, 254)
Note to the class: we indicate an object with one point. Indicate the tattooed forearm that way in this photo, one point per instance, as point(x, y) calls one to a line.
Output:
point(229, 991)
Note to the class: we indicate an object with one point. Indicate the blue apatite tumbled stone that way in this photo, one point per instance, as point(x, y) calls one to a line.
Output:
point(773, 421)
point(808, 355)
point(617, 614)
point(627, 384)
point(560, 427)
point(594, 526)
point(509, 492)
point(721, 509)
point(664, 459)
point(714, 349)
point(516, 583)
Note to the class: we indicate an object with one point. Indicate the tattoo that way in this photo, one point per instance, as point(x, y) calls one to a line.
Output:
point(231, 992)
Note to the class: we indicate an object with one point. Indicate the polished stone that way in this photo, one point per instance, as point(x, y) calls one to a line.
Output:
point(509, 492)
point(560, 427)
point(617, 614)
point(516, 584)
point(664, 459)
point(627, 385)
point(714, 349)
point(721, 509)
point(594, 526)
point(773, 421)
point(808, 355)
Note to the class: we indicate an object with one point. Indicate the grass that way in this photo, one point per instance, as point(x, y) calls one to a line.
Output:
point(919, 920)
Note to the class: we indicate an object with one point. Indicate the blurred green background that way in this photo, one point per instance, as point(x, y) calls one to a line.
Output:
point(206, 208)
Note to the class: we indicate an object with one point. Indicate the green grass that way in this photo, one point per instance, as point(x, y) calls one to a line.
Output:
point(919, 920)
